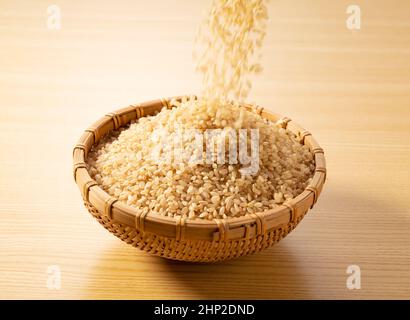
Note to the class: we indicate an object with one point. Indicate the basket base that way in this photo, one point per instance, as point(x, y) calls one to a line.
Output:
point(188, 250)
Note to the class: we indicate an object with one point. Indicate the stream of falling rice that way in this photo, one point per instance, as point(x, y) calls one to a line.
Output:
point(227, 48)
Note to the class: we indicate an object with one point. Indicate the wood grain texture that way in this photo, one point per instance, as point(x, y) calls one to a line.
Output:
point(350, 89)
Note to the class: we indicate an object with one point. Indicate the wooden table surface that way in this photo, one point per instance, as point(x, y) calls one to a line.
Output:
point(351, 89)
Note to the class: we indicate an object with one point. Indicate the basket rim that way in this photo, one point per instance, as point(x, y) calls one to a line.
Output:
point(179, 228)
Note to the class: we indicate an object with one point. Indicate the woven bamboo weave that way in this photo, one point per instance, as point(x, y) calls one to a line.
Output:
point(192, 240)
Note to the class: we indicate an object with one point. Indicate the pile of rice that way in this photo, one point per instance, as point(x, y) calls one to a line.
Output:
point(122, 163)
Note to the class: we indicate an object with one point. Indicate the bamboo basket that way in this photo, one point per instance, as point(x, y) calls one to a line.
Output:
point(192, 240)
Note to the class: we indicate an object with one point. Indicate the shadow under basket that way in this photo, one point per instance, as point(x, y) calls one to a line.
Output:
point(192, 240)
